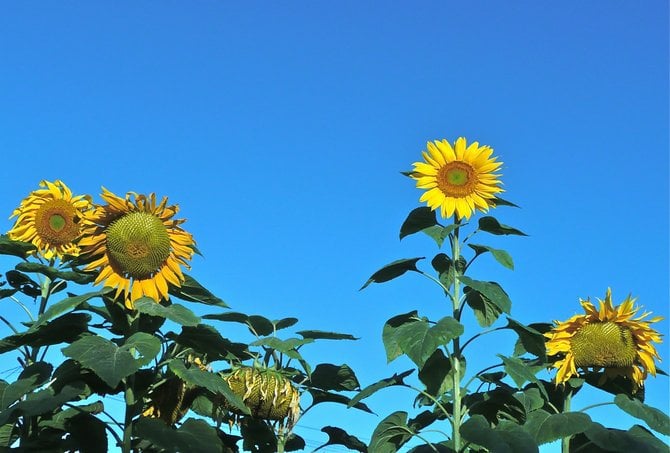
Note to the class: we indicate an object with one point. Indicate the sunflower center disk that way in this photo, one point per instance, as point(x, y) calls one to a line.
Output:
point(456, 179)
point(139, 244)
point(603, 344)
point(56, 222)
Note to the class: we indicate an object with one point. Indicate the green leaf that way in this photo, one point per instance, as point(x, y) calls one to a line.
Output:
point(506, 438)
point(501, 256)
point(43, 401)
point(174, 312)
point(487, 299)
point(87, 432)
point(148, 346)
point(531, 399)
point(288, 346)
point(15, 248)
point(103, 357)
point(390, 433)
point(10, 393)
point(545, 427)
point(285, 323)
point(327, 376)
point(207, 340)
point(192, 291)
point(393, 270)
point(8, 435)
point(417, 220)
point(532, 340)
point(396, 379)
point(212, 382)
point(65, 305)
point(338, 436)
point(654, 418)
point(319, 397)
point(418, 339)
point(389, 334)
point(322, 335)
point(615, 440)
point(258, 325)
point(79, 277)
point(497, 201)
point(64, 329)
point(21, 282)
point(193, 435)
point(436, 374)
point(522, 372)
point(491, 225)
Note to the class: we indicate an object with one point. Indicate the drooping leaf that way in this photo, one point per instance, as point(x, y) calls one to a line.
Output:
point(615, 385)
point(496, 404)
point(103, 357)
point(417, 220)
point(597, 438)
point(436, 374)
point(192, 435)
point(491, 225)
point(393, 270)
point(258, 325)
point(174, 312)
point(487, 299)
point(396, 379)
point(87, 433)
point(545, 427)
point(79, 277)
point(322, 335)
point(654, 418)
point(207, 340)
point(64, 329)
point(446, 269)
point(192, 291)
point(531, 399)
point(501, 256)
point(294, 443)
point(21, 282)
point(319, 397)
point(327, 376)
point(508, 438)
point(522, 371)
point(64, 305)
point(390, 434)
point(43, 401)
point(497, 201)
point(15, 248)
point(389, 337)
point(338, 436)
point(532, 340)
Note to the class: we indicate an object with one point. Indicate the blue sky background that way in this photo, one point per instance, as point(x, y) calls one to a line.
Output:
point(281, 128)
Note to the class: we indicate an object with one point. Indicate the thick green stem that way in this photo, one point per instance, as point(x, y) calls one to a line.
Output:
point(565, 443)
point(456, 356)
point(129, 394)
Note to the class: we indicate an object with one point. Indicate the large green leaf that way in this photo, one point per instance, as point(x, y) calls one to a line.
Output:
point(319, 397)
point(192, 436)
point(531, 340)
point(338, 436)
point(87, 433)
point(43, 401)
point(522, 371)
point(174, 312)
point(491, 225)
point(53, 273)
point(501, 256)
point(327, 376)
point(64, 329)
point(487, 299)
point(104, 358)
point(390, 433)
point(21, 282)
point(207, 340)
point(598, 438)
point(393, 270)
point(545, 427)
point(213, 382)
point(437, 373)
point(15, 248)
point(64, 305)
point(257, 324)
point(323, 335)
point(144, 347)
point(10, 393)
point(654, 418)
point(417, 220)
point(192, 291)
point(419, 339)
point(506, 438)
point(389, 333)
point(396, 379)
point(531, 399)
point(285, 323)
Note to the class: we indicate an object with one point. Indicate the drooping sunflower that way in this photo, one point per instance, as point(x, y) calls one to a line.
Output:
point(606, 337)
point(50, 218)
point(458, 179)
point(137, 246)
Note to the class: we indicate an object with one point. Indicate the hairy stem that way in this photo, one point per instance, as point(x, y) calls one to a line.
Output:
point(456, 356)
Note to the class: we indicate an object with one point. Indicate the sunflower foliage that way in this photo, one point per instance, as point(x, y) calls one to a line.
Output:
point(107, 352)
point(507, 406)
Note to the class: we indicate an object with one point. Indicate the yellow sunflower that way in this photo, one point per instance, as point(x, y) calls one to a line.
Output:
point(606, 337)
point(137, 246)
point(50, 218)
point(458, 179)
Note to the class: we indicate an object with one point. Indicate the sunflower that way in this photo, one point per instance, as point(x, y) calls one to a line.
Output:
point(137, 246)
point(458, 179)
point(50, 218)
point(606, 337)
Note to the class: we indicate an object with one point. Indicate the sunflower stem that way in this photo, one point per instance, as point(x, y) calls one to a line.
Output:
point(565, 442)
point(456, 356)
point(129, 391)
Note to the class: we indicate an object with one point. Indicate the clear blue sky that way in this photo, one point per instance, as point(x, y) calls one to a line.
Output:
point(281, 128)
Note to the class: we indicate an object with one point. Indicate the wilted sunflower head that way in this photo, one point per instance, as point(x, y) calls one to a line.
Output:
point(268, 393)
point(606, 337)
point(458, 179)
point(50, 218)
point(137, 246)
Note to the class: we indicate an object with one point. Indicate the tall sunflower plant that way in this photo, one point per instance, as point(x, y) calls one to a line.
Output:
point(507, 406)
point(110, 354)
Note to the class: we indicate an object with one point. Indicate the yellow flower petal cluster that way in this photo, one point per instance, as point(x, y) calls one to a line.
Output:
point(137, 246)
point(606, 337)
point(50, 218)
point(458, 179)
